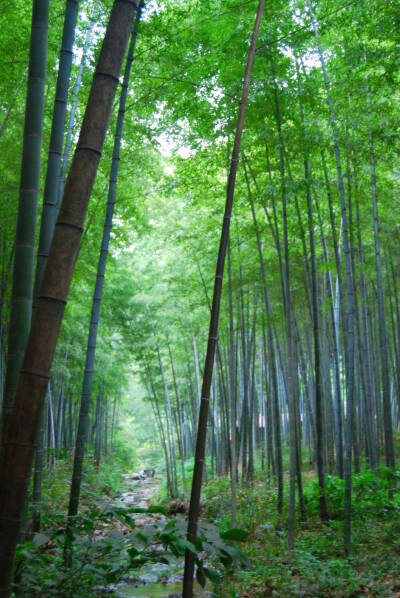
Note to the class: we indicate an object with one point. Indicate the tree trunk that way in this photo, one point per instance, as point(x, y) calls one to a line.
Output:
point(50, 198)
point(83, 423)
point(349, 285)
point(71, 118)
point(22, 290)
point(387, 409)
point(213, 331)
point(323, 509)
point(232, 392)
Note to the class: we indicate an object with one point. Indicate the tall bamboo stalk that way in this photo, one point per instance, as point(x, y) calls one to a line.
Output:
point(83, 423)
point(349, 288)
point(71, 118)
point(22, 290)
point(315, 323)
point(387, 409)
point(50, 197)
point(213, 330)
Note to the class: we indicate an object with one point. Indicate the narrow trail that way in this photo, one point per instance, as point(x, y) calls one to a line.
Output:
point(139, 493)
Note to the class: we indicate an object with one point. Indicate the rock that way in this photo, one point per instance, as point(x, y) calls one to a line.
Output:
point(178, 506)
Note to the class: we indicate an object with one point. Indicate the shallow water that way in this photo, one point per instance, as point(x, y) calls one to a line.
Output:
point(161, 581)
point(159, 590)
point(155, 580)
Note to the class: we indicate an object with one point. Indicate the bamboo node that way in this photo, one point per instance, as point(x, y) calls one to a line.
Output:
point(90, 149)
point(108, 75)
point(54, 299)
point(70, 225)
point(42, 375)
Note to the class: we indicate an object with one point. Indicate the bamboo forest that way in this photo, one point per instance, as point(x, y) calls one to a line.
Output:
point(200, 298)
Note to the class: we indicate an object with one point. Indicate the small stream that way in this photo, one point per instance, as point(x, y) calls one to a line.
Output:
point(160, 581)
point(155, 580)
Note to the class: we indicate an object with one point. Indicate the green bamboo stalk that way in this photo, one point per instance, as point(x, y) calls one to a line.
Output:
point(383, 340)
point(350, 299)
point(56, 141)
point(71, 118)
point(319, 403)
point(22, 290)
point(50, 199)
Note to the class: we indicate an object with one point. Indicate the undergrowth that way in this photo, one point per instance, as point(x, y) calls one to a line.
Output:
point(316, 567)
point(104, 545)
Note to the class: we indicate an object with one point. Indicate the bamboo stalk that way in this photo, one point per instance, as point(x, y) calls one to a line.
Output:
point(213, 330)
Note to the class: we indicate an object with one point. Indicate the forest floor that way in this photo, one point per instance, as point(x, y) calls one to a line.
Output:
point(316, 568)
point(121, 539)
point(139, 493)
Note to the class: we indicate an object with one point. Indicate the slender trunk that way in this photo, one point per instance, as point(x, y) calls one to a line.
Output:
point(71, 118)
point(22, 290)
point(170, 428)
point(99, 425)
point(268, 310)
point(366, 356)
point(349, 285)
point(196, 368)
point(51, 434)
point(386, 402)
point(323, 509)
point(212, 340)
point(232, 391)
point(50, 197)
point(287, 301)
point(336, 358)
point(179, 423)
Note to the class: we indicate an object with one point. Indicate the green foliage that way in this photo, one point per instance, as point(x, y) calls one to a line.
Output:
point(370, 494)
point(107, 547)
point(102, 554)
point(99, 486)
point(216, 495)
point(317, 567)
